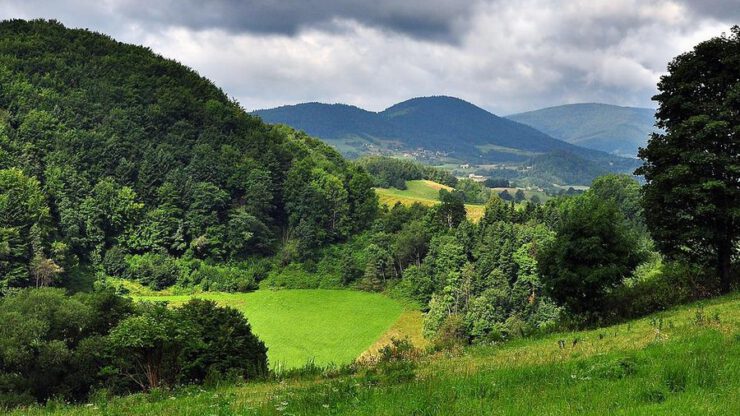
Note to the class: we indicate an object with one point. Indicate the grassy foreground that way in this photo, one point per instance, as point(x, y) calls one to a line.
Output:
point(682, 362)
point(325, 326)
point(424, 192)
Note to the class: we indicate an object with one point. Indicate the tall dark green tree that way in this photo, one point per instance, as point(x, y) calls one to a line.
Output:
point(692, 195)
point(594, 250)
point(451, 211)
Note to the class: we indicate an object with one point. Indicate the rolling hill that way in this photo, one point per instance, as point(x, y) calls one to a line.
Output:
point(430, 127)
point(131, 152)
point(609, 128)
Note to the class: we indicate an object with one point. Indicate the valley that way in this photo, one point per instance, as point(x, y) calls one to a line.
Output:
point(164, 251)
point(423, 192)
point(529, 148)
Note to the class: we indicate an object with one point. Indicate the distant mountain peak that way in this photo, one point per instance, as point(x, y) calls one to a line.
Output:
point(440, 124)
point(614, 129)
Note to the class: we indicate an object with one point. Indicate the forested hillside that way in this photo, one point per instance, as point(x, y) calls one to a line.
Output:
point(451, 126)
point(609, 128)
point(108, 151)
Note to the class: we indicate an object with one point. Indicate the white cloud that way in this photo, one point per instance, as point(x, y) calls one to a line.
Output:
point(504, 56)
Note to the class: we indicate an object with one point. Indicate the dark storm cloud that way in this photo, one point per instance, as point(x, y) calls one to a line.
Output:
point(723, 10)
point(435, 19)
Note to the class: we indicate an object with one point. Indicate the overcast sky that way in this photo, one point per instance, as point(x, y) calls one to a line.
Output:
point(504, 55)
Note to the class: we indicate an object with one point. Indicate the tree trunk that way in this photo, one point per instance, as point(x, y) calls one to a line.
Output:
point(724, 258)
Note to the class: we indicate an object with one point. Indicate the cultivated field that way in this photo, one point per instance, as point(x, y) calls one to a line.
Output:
point(325, 326)
point(424, 192)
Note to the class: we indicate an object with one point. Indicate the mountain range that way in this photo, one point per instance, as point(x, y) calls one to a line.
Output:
point(609, 128)
point(439, 128)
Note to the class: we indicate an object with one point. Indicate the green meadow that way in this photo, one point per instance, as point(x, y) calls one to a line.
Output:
point(298, 326)
point(685, 361)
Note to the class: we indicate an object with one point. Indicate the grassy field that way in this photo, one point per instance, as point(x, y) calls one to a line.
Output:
point(326, 326)
point(680, 362)
point(424, 192)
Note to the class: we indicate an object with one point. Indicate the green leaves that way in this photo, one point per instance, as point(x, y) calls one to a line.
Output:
point(693, 170)
point(111, 144)
point(592, 253)
point(24, 226)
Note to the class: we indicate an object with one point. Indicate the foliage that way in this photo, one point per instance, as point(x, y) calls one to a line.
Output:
point(624, 192)
point(497, 183)
point(622, 368)
point(692, 198)
point(110, 147)
point(473, 192)
point(24, 232)
point(593, 252)
point(227, 344)
point(393, 173)
point(52, 343)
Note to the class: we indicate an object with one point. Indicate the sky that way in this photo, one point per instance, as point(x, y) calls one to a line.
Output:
point(506, 56)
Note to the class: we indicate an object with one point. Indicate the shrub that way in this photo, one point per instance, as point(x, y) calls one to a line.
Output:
point(226, 345)
point(159, 346)
point(52, 343)
point(395, 363)
point(658, 286)
point(222, 278)
point(452, 333)
point(158, 271)
point(114, 261)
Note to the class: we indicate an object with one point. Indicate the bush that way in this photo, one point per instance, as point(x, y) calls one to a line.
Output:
point(395, 363)
point(222, 278)
point(225, 344)
point(114, 261)
point(51, 343)
point(452, 333)
point(159, 346)
point(158, 271)
point(658, 286)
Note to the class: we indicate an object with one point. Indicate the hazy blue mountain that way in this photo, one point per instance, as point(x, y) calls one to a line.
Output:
point(446, 125)
point(609, 128)
point(327, 121)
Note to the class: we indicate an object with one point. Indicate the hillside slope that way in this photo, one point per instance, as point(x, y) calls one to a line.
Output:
point(439, 124)
point(682, 361)
point(112, 150)
point(609, 128)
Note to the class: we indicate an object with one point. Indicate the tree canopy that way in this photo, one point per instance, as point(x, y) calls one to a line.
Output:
point(692, 195)
point(107, 146)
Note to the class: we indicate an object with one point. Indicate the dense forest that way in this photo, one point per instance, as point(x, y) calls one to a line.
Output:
point(107, 151)
point(117, 165)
